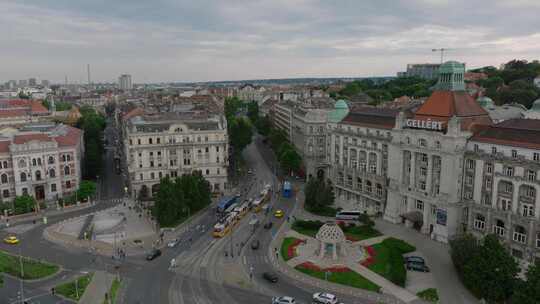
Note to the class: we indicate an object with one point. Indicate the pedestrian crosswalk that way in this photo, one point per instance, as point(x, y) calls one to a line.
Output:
point(255, 259)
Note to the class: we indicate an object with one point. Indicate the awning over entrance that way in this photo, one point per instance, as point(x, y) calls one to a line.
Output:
point(414, 216)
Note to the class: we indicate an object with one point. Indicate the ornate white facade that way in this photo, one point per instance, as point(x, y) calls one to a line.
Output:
point(173, 144)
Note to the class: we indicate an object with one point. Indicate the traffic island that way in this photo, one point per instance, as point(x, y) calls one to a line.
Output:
point(430, 295)
point(288, 247)
point(75, 289)
point(31, 269)
point(386, 259)
point(110, 298)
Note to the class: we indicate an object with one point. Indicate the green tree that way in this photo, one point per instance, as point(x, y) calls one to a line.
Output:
point(167, 203)
point(318, 194)
point(463, 249)
point(520, 91)
point(253, 111)
point(240, 133)
point(24, 204)
point(263, 125)
point(289, 159)
point(528, 291)
point(22, 95)
point(92, 124)
point(86, 189)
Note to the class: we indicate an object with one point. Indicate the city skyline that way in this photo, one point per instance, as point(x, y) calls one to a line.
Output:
point(212, 41)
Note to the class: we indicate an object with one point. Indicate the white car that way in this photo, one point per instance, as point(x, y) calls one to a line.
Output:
point(324, 298)
point(172, 243)
point(283, 300)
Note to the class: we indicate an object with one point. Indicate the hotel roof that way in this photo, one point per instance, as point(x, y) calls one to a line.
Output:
point(524, 133)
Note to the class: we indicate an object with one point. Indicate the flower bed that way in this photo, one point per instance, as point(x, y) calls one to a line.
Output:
point(338, 274)
point(370, 251)
point(288, 247)
point(388, 260)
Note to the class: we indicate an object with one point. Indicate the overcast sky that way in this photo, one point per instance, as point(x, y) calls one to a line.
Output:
point(199, 40)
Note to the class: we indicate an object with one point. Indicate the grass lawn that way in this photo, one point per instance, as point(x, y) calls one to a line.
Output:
point(74, 291)
point(429, 294)
point(349, 278)
point(388, 260)
point(287, 242)
point(32, 269)
point(113, 291)
point(326, 211)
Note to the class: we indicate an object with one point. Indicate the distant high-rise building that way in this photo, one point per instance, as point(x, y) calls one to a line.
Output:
point(23, 82)
point(12, 84)
point(45, 83)
point(422, 70)
point(32, 82)
point(124, 82)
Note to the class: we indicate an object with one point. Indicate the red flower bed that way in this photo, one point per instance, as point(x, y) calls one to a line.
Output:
point(291, 251)
point(371, 258)
point(333, 269)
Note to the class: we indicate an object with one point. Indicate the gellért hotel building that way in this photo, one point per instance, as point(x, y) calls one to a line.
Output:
point(443, 169)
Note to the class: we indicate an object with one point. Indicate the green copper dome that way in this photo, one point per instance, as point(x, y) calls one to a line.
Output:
point(341, 109)
point(485, 102)
point(451, 76)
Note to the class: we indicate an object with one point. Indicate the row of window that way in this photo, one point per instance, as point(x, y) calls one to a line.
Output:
point(24, 177)
point(507, 170)
point(172, 140)
point(173, 174)
point(519, 234)
point(53, 188)
point(38, 162)
point(513, 153)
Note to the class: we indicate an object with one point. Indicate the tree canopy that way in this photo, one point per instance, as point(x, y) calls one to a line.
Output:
point(92, 124)
point(24, 204)
point(319, 194)
point(86, 189)
point(528, 291)
point(178, 198)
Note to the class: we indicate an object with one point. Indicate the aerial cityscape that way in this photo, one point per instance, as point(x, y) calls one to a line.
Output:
point(283, 152)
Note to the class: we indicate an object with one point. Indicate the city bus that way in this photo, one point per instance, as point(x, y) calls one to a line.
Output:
point(287, 189)
point(348, 215)
point(225, 203)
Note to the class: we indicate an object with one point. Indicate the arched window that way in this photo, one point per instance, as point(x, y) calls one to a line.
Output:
point(51, 160)
point(5, 164)
point(23, 177)
point(38, 175)
point(66, 170)
point(39, 161)
point(64, 158)
point(22, 163)
point(34, 162)
point(52, 173)
point(4, 179)
point(68, 157)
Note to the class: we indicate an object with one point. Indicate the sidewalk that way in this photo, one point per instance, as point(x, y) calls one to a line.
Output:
point(98, 287)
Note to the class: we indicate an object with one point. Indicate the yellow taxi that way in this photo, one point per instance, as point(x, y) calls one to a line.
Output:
point(11, 240)
point(279, 213)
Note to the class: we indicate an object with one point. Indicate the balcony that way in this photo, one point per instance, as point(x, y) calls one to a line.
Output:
point(498, 230)
point(519, 237)
point(479, 225)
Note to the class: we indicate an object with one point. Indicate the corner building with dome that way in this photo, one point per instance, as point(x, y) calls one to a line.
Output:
point(443, 169)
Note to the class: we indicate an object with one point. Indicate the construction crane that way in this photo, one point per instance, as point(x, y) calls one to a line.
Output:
point(441, 50)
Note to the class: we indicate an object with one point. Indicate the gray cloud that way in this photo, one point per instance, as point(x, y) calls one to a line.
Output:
point(164, 40)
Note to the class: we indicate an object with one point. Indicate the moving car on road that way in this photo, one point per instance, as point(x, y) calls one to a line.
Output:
point(153, 254)
point(255, 244)
point(283, 300)
point(324, 298)
point(268, 225)
point(12, 240)
point(279, 213)
point(173, 243)
point(270, 277)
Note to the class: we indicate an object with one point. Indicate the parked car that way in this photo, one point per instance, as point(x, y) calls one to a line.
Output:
point(417, 267)
point(414, 259)
point(268, 225)
point(324, 298)
point(255, 244)
point(283, 300)
point(153, 254)
point(270, 277)
point(173, 243)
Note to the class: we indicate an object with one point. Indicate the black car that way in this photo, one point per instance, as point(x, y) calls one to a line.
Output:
point(255, 244)
point(153, 254)
point(268, 225)
point(414, 259)
point(417, 267)
point(270, 277)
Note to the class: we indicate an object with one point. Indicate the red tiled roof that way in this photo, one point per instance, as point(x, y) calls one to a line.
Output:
point(37, 107)
point(442, 105)
point(13, 113)
point(4, 146)
point(523, 133)
point(133, 113)
point(71, 138)
point(24, 138)
point(18, 102)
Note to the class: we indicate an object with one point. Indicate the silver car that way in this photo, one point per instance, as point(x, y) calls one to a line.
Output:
point(283, 300)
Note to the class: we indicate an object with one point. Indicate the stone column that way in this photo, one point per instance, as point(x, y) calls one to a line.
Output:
point(334, 251)
point(412, 175)
point(429, 175)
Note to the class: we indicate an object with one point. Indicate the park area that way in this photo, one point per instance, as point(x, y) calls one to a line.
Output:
point(386, 259)
point(30, 270)
point(74, 289)
point(339, 275)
